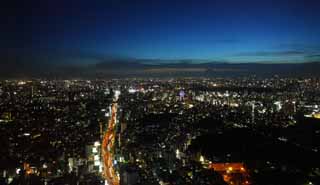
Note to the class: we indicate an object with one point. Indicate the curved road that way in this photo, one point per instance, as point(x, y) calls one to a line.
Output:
point(107, 147)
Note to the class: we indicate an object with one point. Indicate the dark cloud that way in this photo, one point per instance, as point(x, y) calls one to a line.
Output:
point(271, 53)
point(315, 56)
point(298, 46)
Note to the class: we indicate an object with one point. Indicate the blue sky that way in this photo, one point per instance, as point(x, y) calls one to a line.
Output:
point(225, 30)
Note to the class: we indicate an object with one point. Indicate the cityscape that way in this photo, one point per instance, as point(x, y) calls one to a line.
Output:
point(160, 92)
point(160, 131)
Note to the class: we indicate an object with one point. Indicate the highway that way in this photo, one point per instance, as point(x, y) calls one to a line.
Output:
point(109, 172)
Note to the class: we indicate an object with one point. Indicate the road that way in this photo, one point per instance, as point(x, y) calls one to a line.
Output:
point(107, 149)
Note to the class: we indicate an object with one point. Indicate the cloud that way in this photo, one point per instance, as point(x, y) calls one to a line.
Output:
point(314, 56)
point(299, 46)
point(271, 53)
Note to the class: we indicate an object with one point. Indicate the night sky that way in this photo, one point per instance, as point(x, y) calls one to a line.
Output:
point(223, 31)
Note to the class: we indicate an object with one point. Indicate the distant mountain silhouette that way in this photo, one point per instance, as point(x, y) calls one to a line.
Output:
point(210, 69)
point(15, 67)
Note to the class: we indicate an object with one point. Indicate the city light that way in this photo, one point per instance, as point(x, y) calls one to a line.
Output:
point(160, 92)
point(97, 143)
point(160, 132)
point(94, 150)
point(18, 170)
point(97, 163)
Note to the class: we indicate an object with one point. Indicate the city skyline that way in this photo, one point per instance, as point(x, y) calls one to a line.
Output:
point(160, 92)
